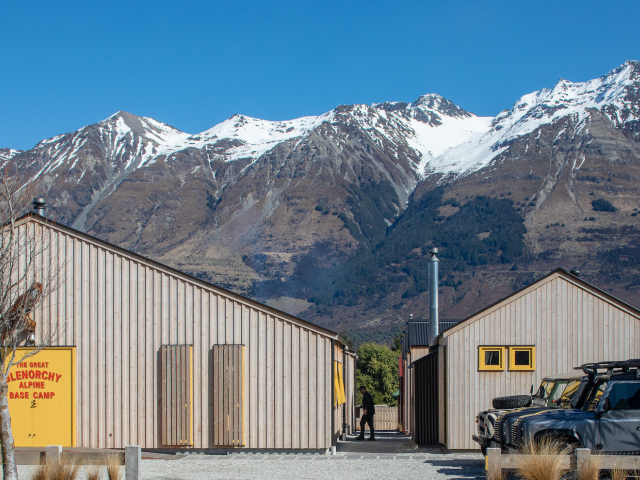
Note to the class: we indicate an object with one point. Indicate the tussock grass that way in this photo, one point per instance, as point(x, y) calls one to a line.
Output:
point(592, 470)
point(63, 471)
point(495, 472)
point(41, 473)
point(620, 473)
point(94, 472)
point(114, 470)
point(541, 460)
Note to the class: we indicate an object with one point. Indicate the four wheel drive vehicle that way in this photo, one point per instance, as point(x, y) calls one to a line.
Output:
point(556, 391)
point(604, 414)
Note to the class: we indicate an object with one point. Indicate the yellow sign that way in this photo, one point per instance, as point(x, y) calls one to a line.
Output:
point(42, 398)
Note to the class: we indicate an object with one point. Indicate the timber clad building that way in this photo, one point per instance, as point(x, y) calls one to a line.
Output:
point(151, 356)
point(549, 327)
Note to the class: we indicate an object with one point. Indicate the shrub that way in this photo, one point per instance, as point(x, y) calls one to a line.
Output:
point(541, 460)
point(602, 205)
point(591, 471)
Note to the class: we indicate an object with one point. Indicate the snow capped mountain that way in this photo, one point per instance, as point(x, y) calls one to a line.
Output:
point(428, 127)
point(616, 95)
point(247, 199)
point(6, 154)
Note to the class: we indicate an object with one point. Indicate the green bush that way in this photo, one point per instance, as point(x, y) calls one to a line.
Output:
point(602, 205)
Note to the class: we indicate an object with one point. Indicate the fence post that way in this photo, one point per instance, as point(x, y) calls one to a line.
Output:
point(494, 460)
point(132, 457)
point(52, 455)
point(583, 458)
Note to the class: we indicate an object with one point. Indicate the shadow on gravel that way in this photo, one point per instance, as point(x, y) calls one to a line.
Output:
point(460, 469)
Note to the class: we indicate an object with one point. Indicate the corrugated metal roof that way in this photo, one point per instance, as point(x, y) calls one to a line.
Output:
point(417, 333)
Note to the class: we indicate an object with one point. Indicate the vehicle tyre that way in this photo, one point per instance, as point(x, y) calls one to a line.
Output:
point(514, 401)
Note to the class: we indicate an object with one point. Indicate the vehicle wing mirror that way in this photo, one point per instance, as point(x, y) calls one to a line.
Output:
point(606, 404)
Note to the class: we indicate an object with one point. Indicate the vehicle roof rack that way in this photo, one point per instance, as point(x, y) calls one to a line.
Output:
point(625, 365)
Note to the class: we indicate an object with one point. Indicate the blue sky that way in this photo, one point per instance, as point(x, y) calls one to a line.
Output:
point(193, 64)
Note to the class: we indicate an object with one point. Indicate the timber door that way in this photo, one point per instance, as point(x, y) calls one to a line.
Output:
point(177, 401)
point(42, 398)
point(228, 395)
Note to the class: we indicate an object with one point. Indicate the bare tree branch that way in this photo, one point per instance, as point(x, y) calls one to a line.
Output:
point(31, 269)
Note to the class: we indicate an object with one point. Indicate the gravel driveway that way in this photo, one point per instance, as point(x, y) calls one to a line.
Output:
point(392, 456)
point(284, 467)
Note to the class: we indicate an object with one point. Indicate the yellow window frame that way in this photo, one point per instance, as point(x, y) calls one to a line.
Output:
point(483, 367)
point(522, 368)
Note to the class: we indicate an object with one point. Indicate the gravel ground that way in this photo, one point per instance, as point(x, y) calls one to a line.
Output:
point(285, 467)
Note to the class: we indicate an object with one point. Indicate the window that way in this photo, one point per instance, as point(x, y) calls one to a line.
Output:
point(594, 397)
point(569, 394)
point(625, 396)
point(522, 358)
point(554, 393)
point(491, 358)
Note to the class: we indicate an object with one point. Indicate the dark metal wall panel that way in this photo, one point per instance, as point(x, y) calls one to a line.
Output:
point(418, 331)
point(426, 420)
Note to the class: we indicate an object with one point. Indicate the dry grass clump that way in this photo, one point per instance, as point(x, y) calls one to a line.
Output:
point(620, 473)
point(591, 471)
point(41, 473)
point(495, 472)
point(63, 471)
point(114, 470)
point(93, 472)
point(541, 460)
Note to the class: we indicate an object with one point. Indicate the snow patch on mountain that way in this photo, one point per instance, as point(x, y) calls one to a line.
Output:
point(614, 94)
point(7, 153)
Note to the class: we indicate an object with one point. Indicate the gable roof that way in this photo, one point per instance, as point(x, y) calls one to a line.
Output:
point(418, 331)
point(558, 272)
point(31, 216)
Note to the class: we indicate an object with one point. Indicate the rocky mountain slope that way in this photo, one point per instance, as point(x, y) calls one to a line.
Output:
point(566, 161)
point(329, 217)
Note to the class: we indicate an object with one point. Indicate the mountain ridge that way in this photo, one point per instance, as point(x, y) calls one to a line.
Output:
point(263, 206)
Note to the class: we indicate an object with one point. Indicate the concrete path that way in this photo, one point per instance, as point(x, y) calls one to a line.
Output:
point(386, 443)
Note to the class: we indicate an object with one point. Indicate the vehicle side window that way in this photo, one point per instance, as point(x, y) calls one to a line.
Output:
point(568, 393)
point(546, 388)
point(553, 399)
point(625, 396)
point(594, 397)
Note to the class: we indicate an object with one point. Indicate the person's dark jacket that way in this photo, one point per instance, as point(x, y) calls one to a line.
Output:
point(367, 403)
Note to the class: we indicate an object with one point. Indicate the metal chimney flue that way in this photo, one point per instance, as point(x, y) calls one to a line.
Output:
point(434, 327)
point(38, 206)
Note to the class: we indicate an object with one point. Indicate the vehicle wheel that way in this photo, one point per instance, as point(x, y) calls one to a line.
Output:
point(514, 401)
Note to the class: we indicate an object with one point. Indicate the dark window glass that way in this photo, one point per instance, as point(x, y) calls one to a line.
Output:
point(594, 396)
point(492, 357)
point(522, 357)
point(625, 396)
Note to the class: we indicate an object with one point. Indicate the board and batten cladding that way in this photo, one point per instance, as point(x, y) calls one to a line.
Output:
point(568, 323)
point(345, 412)
point(118, 309)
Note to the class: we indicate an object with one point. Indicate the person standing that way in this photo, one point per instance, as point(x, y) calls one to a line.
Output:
point(368, 411)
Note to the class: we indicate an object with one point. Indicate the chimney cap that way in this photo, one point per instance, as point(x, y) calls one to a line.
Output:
point(433, 251)
point(38, 206)
point(575, 272)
